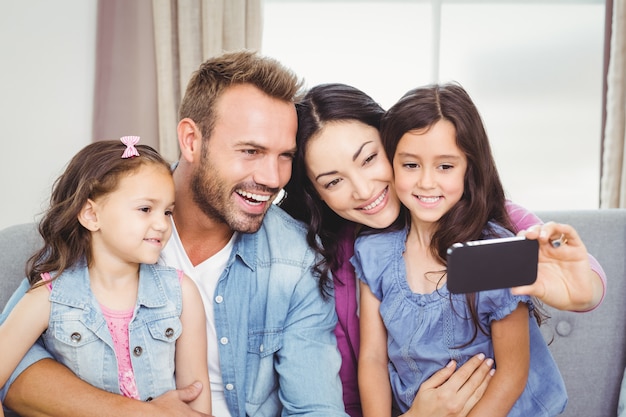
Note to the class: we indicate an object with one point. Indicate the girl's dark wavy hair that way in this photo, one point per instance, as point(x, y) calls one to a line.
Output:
point(483, 198)
point(321, 105)
point(93, 172)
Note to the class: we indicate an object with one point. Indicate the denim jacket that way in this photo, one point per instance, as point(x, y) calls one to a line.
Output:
point(78, 336)
point(278, 352)
point(277, 349)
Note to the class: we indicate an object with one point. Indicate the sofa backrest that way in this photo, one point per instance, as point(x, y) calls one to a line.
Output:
point(17, 244)
point(590, 348)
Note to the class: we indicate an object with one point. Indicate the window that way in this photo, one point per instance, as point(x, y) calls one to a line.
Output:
point(533, 68)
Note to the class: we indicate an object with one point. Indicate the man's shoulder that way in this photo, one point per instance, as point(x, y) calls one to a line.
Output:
point(277, 219)
point(281, 233)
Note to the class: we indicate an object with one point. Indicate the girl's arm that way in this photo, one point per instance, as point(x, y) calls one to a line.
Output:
point(191, 346)
point(28, 320)
point(373, 374)
point(511, 348)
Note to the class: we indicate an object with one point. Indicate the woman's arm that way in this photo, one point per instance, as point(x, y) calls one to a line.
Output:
point(564, 276)
point(374, 384)
point(191, 346)
point(564, 281)
point(452, 392)
point(511, 347)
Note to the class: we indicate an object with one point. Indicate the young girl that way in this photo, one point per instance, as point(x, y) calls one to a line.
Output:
point(411, 326)
point(101, 304)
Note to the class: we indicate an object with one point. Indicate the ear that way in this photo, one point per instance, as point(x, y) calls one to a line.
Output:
point(88, 216)
point(189, 139)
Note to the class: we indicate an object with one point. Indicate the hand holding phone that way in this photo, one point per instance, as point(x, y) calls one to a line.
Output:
point(482, 265)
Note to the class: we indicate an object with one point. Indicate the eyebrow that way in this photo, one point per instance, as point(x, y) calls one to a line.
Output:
point(356, 154)
point(354, 157)
point(412, 155)
point(325, 173)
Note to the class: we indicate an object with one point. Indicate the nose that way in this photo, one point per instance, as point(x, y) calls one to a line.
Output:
point(270, 173)
point(426, 179)
point(361, 188)
point(161, 223)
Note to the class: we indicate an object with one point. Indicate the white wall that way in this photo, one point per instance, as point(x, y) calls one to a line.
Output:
point(47, 49)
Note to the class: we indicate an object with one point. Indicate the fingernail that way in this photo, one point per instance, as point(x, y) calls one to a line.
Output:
point(481, 356)
point(492, 372)
point(489, 362)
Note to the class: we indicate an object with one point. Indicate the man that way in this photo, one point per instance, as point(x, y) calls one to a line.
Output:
point(271, 348)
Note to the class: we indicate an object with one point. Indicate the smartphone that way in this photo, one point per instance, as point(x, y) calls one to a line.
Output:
point(482, 265)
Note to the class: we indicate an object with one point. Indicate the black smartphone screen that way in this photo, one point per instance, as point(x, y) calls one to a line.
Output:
point(492, 264)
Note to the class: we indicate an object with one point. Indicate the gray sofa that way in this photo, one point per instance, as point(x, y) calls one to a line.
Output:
point(588, 347)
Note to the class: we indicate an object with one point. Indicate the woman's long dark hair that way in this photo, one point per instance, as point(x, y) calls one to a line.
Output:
point(93, 172)
point(323, 104)
point(483, 198)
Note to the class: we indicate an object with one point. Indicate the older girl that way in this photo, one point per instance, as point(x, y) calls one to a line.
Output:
point(342, 180)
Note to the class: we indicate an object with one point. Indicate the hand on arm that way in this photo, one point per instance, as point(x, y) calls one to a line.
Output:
point(565, 279)
point(191, 347)
point(511, 347)
point(452, 392)
point(374, 385)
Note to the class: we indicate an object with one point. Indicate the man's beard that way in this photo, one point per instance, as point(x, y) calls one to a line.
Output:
point(215, 200)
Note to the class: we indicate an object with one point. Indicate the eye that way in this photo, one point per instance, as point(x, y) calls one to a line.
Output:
point(288, 155)
point(370, 158)
point(145, 209)
point(410, 165)
point(250, 152)
point(445, 167)
point(332, 183)
point(169, 213)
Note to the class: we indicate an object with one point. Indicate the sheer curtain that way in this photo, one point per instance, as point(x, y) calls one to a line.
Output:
point(186, 33)
point(613, 181)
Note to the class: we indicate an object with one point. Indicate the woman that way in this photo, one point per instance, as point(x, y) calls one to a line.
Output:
point(342, 184)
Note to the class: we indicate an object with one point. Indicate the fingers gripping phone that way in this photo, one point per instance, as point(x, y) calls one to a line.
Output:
point(482, 265)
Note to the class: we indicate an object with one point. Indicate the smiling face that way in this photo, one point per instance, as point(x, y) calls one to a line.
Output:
point(347, 165)
point(429, 171)
point(132, 223)
point(247, 159)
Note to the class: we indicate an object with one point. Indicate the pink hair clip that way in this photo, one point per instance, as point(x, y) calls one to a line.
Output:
point(130, 150)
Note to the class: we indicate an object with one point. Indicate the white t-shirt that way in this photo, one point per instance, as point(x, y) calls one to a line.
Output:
point(205, 275)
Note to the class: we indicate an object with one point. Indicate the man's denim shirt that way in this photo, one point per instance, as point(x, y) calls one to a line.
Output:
point(277, 347)
point(78, 335)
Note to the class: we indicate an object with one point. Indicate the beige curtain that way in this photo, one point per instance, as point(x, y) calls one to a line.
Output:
point(613, 182)
point(186, 33)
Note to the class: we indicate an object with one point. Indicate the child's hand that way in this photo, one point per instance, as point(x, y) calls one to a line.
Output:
point(565, 279)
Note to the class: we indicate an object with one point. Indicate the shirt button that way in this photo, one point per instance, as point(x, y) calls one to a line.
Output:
point(137, 351)
point(219, 299)
point(169, 333)
point(229, 387)
point(224, 340)
point(261, 348)
point(75, 337)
